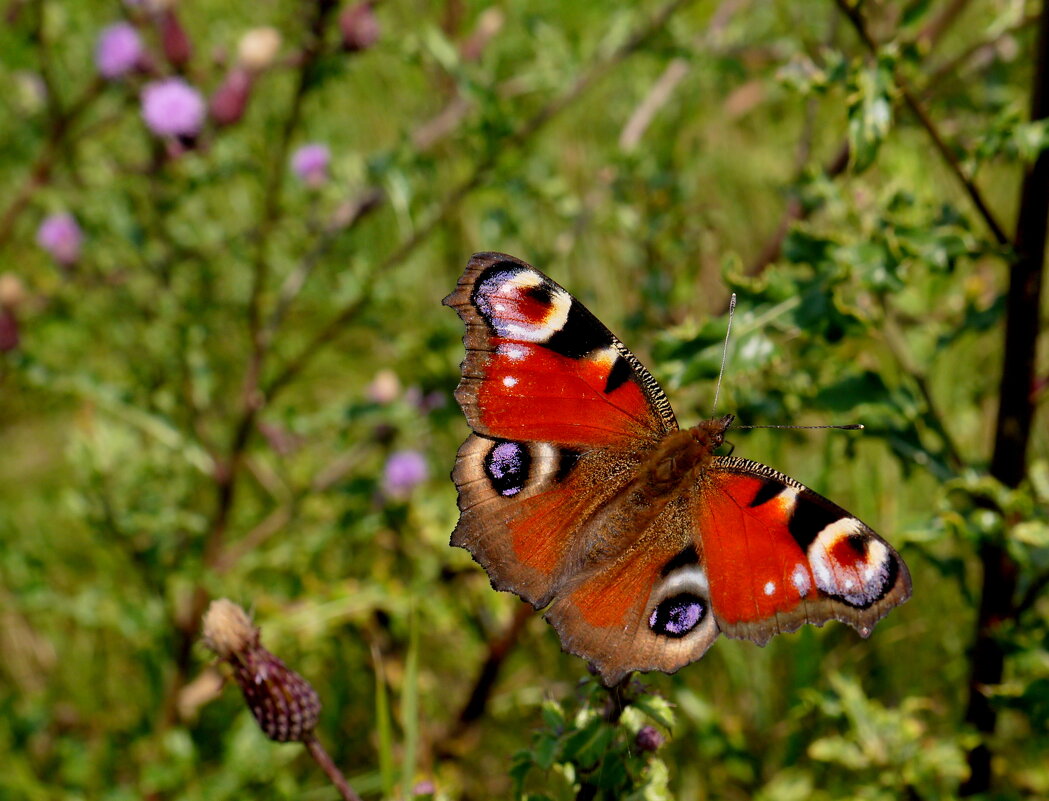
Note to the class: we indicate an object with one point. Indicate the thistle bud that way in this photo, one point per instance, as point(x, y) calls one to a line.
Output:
point(12, 291)
point(173, 38)
point(258, 48)
point(231, 98)
point(648, 739)
point(359, 26)
point(284, 704)
point(9, 338)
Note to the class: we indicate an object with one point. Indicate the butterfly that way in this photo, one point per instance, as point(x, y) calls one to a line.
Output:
point(579, 492)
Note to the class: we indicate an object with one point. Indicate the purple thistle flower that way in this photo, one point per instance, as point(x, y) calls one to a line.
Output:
point(310, 163)
point(118, 50)
point(172, 107)
point(404, 471)
point(60, 236)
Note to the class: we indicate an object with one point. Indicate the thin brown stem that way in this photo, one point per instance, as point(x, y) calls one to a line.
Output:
point(836, 165)
point(894, 339)
point(498, 649)
point(855, 16)
point(451, 201)
point(320, 756)
point(1013, 426)
point(274, 189)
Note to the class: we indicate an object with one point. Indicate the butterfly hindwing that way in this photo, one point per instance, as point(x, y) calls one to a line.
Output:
point(646, 609)
point(524, 506)
point(780, 555)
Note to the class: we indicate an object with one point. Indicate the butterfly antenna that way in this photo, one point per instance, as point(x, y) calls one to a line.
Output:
point(848, 427)
point(724, 350)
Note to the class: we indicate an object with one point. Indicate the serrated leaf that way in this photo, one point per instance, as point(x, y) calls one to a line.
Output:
point(656, 708)
point(1032, 533)
point(588, 745)
point(870, 113)
point(546, 751)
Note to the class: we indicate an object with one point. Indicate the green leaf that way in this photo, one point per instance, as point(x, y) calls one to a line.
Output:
point(586, 746)
point(383, 724)
point(869, 111)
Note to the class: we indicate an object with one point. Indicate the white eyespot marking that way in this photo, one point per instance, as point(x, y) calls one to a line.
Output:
point(849, 563)
point(545, 457)
point(770, 587)
point(691, 578)
point(521, 304)
point(514, 353)
point(799, 577)
point(679, 603)
point(509, 381)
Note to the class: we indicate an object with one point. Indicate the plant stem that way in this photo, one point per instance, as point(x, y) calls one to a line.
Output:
point(853, 14)
point(321, 757)
point(1013, 428)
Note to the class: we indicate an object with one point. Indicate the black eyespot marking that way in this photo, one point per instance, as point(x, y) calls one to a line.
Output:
point(581, 334)
point(541, 294)
point(618, 375)
point(687, 557)
point(809, 519)
point(858, 543)
point(507, 466)
point(769, 490)
point(567, 463)
point(677, 615)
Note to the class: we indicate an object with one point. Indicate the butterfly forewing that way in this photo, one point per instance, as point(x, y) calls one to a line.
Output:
point(540, 367)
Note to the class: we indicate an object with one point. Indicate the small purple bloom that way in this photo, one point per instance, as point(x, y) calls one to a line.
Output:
point(310, 163)
point(172, 107)
point(60, 236)
point(359, 26)
point(425, 787)
point(118, 50)
point(404, 471)
point(648, 739)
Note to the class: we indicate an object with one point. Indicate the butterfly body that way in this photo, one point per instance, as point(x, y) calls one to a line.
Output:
point(579, 492)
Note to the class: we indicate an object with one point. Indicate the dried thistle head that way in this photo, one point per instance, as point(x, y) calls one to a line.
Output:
point(284, 704)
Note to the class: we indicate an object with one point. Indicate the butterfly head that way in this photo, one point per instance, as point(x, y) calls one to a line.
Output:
point(711, 433)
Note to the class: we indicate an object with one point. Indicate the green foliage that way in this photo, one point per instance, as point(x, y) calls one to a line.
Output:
point(596, 743)
point(242, 386)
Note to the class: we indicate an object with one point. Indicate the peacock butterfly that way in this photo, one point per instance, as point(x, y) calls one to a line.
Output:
point(578, 492)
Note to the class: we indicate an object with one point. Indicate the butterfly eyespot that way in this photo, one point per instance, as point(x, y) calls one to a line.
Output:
point(508, 465)
point(677, 615)
point(851, 565)
point(520, 304)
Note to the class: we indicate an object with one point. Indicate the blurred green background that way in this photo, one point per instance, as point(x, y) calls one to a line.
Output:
point(235, 381)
